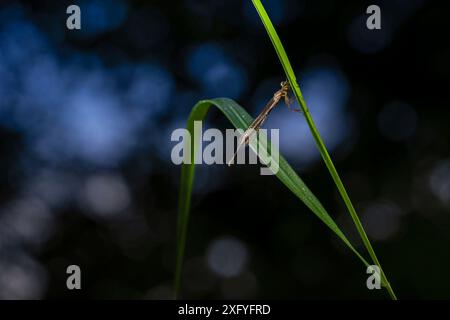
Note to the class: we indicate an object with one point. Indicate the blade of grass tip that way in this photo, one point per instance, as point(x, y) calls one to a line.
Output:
point(241, 120)
point(319, 142)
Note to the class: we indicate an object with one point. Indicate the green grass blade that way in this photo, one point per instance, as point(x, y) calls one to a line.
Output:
point(240, 120)
point(319, 142)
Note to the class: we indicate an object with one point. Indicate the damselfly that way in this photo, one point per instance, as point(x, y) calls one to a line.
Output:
point(257, 123)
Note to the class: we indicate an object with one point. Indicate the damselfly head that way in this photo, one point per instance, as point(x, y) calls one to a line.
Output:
point(284, 85)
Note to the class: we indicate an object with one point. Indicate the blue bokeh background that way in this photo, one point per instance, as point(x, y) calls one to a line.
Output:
point(85, 123)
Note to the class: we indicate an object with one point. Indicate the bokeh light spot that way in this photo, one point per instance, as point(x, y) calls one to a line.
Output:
point(397, 121)
point(440, 181)
point(381, 220)
point(106, 194)
point(227, 257)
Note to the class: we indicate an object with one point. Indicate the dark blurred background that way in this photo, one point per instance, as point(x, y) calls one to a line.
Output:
point(85, 123)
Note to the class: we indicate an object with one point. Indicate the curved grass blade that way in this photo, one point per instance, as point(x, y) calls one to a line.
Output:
point(284, 60)
point(240, 120)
